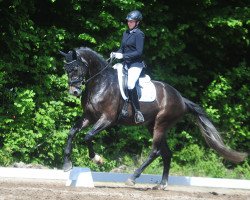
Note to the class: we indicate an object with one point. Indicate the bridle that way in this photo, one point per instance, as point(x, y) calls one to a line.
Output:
point(72, 65)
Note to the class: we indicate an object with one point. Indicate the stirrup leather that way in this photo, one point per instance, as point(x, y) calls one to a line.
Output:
point(124, 112)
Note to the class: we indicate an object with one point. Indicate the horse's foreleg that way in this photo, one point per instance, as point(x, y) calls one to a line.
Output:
point(92, 155)
point(80, 124)
point(100, 125)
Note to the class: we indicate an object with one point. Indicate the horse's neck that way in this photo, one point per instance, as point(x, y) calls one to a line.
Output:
point(95, 69)
point(102, 79)
point(96, 66)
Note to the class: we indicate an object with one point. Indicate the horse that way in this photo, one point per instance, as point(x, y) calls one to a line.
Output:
point(102, 103)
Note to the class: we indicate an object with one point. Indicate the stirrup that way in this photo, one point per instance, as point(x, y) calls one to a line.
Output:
point(139, 117)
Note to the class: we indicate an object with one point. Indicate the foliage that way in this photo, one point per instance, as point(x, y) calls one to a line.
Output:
point(199, 47)
point(231, 95)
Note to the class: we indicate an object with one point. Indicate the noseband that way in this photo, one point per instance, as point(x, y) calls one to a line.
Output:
point(75, 64)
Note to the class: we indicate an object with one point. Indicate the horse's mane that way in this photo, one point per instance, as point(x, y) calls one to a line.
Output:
point(89, 52)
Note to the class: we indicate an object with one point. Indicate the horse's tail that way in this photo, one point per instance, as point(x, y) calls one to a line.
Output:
point(212, 136)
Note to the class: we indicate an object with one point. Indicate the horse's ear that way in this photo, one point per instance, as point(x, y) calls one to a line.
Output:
point(62, 53)
point(74, 55)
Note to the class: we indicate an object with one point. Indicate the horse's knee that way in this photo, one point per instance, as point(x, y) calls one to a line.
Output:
point(72, 133)
point(88, 137)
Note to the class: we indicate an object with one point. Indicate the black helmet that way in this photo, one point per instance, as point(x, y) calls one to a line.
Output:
point(134, 15)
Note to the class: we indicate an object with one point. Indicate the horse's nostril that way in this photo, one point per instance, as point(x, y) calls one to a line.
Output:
point(76, 93)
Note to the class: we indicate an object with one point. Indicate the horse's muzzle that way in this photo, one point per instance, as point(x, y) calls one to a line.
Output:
point(75, 91)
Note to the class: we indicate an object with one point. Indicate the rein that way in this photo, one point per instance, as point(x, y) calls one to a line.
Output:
point(109, 63)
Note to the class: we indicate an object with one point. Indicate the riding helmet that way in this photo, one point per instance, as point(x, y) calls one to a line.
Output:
point(134, 15)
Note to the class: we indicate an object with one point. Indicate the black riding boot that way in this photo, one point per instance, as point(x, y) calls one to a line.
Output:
point(135, 103)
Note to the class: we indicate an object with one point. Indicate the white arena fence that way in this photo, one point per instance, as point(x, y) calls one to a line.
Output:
point(84, 177)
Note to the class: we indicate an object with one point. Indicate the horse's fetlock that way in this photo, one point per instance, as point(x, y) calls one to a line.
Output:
point(67, 153)
point(97, 159)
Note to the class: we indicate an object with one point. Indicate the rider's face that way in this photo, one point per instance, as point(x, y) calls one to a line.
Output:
point(131, 24)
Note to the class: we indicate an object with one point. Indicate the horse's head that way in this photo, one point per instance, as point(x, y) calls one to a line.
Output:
point(76, 68)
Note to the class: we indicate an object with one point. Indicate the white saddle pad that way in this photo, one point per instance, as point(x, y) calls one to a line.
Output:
point(148, 91)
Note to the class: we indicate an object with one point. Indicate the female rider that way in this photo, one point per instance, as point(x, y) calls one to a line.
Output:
point(131, 51)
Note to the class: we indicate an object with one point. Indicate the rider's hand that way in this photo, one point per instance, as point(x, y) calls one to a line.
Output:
point(112, 55)
point(116, 55)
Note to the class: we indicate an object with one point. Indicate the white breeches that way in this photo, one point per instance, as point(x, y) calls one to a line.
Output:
point(133, 75)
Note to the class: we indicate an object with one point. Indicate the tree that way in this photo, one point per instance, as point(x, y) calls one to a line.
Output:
point(199, 47)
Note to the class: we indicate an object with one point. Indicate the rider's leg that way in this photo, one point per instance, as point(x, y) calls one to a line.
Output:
point(136, 106)
point(133, 75)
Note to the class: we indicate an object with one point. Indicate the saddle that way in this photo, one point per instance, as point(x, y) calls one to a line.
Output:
point(145, 88)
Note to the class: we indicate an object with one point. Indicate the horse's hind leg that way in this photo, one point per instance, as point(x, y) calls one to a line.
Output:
point(153, 155)
point(80, 124)
point(166, 155)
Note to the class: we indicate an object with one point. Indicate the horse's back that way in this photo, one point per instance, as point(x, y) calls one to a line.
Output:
point(169, 99)
point(167, 91)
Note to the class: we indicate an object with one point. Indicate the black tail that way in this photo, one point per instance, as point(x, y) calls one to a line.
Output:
point(212, 136)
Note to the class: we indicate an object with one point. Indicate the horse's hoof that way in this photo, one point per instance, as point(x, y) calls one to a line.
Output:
point(130, 182)
point(160, 187)
point(67, 166)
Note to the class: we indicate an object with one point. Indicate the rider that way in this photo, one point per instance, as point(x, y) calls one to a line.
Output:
point(131, 51)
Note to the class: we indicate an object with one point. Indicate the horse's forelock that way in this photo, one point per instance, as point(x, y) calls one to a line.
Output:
point(74, 55)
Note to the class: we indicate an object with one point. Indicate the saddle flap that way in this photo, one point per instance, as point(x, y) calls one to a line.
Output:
point(146, 89)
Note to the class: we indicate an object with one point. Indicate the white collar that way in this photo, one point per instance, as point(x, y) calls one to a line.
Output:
point(133, 30)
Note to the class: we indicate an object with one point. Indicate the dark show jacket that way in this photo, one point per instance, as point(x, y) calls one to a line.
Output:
point(132, 47)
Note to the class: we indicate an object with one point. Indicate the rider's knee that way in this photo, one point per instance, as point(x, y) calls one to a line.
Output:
point(131, 86)
point(117, 65)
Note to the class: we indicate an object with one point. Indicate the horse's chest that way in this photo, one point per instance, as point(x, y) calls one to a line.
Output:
point(92, 111)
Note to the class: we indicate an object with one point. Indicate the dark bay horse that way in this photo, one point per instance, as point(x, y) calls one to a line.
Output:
point(103, 103)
